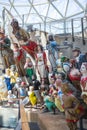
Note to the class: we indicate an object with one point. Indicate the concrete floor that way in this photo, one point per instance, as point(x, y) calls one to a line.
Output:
point(48, 121)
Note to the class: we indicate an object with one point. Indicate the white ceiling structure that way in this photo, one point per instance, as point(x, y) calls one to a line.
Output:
point(46, 12)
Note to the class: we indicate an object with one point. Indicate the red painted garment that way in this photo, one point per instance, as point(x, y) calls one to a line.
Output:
point(80, 111)
point(18, 54)
point(21, 55)
point(73, 77)
point(74, 121)
point(30, 48)
point(83, 83)
point(74, 74)
point(44, 58)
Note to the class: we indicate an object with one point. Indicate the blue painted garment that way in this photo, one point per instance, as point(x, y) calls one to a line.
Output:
point(23, 92)
point(8, 84)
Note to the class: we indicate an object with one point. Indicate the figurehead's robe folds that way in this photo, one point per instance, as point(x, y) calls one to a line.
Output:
point(23, 38)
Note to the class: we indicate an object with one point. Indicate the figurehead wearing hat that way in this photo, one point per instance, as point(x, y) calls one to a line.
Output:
point(76, 49)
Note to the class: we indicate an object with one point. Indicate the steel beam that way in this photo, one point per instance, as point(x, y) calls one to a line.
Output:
point(66, 7)
point(79, 4)
point(56, 9)
point(15, 9)
point(35, 10)
point(47, 12)
point(28, 13)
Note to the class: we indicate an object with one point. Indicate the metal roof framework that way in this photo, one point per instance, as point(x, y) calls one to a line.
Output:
point(44, 11)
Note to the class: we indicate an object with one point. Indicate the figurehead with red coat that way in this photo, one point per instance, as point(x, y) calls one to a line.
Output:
point(74, 74)
point(23, 38)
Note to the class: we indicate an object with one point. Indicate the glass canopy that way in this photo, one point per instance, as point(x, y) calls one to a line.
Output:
point(42, 12)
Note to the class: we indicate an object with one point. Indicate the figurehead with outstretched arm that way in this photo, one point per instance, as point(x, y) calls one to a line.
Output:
point(23, 38)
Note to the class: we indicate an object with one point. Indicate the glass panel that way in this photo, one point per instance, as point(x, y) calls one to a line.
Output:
point(41, 6)
point(42, 9)
point(54, 15)
point(73, 8)
point(34, 18)
point(61, 5)
point(40, 1)
point(22, 2)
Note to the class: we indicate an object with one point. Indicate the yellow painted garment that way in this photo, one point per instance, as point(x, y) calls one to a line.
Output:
point(58, 104)
point(32, 98)
point(13, 77)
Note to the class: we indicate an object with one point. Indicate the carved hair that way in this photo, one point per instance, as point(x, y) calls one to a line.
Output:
point(65, 87)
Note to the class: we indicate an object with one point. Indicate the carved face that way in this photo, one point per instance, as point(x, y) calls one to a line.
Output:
point(83, 69)
point(75, 53)
point(65, 88)
point(28, 60)
point(8, 72)
point(52, 80)
point(85, 98)
point(58, 82)
point(39, 48)
point(14, 24)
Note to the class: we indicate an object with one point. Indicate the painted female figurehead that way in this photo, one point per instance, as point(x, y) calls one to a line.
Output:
point(83, 82)
point(41, 62)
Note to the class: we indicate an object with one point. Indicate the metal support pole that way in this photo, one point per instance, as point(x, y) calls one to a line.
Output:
point(65, 30)
point(72, 30)
point(18, 109)
point(50, 27)
point(3, 17)
point(82, 26)
point(81, 124)
point(40, 26)
point(23, 20)
point(40, 29)
point(45, 30)
point(44, 26)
